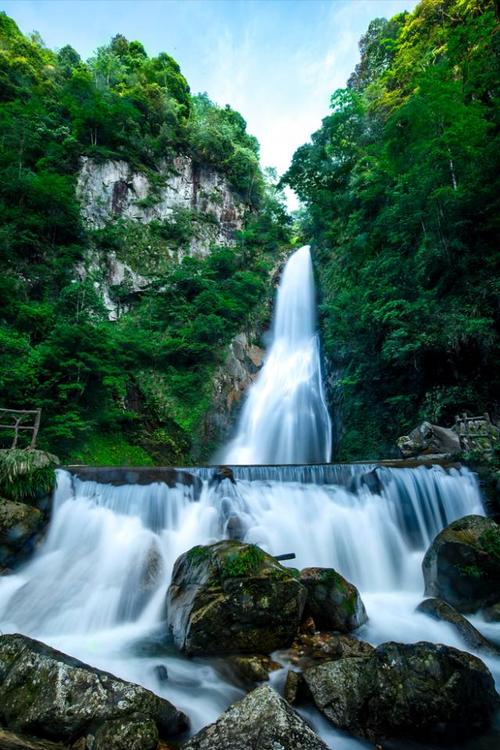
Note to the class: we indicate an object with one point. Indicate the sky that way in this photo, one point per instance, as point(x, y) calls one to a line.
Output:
point(275, 61)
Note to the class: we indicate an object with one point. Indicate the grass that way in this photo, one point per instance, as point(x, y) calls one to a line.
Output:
point(110, 450)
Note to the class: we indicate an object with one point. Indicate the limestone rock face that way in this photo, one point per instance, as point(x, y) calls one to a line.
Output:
point(261, 721)
point(51, 695)
point(19, 524)
point(332, 602)
point(232, 597)
point(422, 690)
point(462, 565)
point(111, 189)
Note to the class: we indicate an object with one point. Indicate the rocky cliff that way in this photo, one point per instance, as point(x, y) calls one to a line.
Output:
point(112, 189)
point(157, 218)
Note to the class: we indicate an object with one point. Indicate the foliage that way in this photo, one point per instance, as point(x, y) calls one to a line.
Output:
point(25, 474)
point(135, 390)
point(401, 190)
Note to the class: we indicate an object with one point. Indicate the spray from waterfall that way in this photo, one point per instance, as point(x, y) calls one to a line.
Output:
point(284, 418)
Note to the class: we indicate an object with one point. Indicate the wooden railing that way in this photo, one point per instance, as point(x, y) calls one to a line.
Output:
point(474, 431)
point(17, 418)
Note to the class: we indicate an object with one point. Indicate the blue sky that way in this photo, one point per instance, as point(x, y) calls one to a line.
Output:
point(276, 61)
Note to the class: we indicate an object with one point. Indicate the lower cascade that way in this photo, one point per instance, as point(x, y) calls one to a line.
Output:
point(96, 587)
point(285, 419)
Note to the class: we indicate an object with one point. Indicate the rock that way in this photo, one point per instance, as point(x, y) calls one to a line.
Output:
point(253, 669)
point(462, 565)
point(261, 721)
point(12, 741)
point(333, 602)
point(19, 524)
point(231, 382)
point(232, 597)
point(296, 690)
point(429, 439)
point(111, 189)
point(313, 648)
point(422, 690)
point(471, 637)
point(125, 734)
point(492, 614)
point(51, 695)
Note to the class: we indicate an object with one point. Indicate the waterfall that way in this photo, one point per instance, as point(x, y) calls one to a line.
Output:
point(284, 418)
point(96, 587)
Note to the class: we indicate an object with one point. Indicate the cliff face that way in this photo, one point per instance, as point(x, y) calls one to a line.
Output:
point(230, 384)
point(112, 190)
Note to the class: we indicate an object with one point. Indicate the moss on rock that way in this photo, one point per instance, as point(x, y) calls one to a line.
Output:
point(232, 597)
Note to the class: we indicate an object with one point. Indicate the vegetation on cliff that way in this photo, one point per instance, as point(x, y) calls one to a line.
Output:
point(132, 391)
point(401, 189)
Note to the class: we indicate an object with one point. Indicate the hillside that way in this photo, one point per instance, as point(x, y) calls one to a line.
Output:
point(137, 236)
point(401, 191)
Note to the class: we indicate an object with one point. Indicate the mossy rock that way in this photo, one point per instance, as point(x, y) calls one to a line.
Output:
point(19, 525)
point(462, 565)
point(261, 721)
point(421, 691)
point(234, 598)
point(126, 734)
point(332, 602)
point(48, 694)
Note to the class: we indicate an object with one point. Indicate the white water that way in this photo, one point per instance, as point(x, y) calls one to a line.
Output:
point(96, 588)
point(284, 418)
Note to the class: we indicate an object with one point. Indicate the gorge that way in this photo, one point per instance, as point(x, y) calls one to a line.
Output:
point(218, 542)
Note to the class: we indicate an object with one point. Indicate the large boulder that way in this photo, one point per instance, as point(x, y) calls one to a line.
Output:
point(232, 597)
point(261, 721)
point(332, 602)
point(440, 610)
point(422, 690)
point(462, 565)
point(51, 695)
point(429, 439)
point(19, 525)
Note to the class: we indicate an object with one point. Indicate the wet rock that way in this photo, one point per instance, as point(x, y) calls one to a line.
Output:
point(313, 648)
point(253, 669)
point(51, 695)
point(232, 597)
point(423, 691)
point(12, 741)
point(462, 565)
point(296, 690)
point(333, 602)
point(124, 734)
point(161, 672)
point(19, 525)
point(471, 637)
point(261, 721)
point(492, 614)
point(429, 439)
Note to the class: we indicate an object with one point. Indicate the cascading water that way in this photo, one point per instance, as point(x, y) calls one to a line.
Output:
point(96, 587)
point(285, 419)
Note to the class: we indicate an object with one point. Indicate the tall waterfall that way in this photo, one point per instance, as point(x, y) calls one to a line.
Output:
point(96, 587)
point(284, 419)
